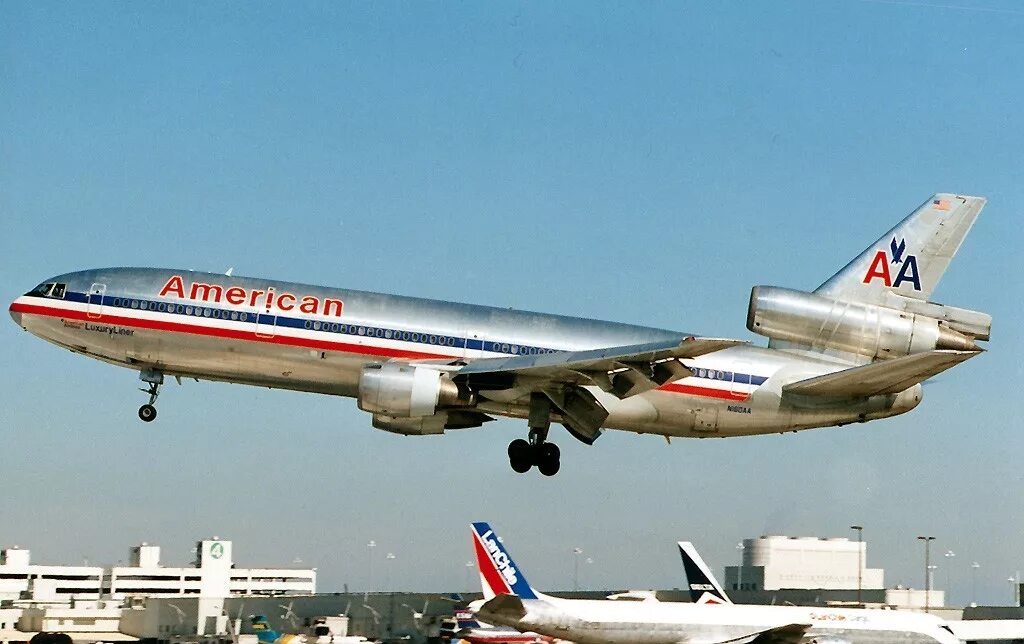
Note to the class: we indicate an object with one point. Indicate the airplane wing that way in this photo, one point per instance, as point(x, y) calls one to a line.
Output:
point(788, 634)
point(561, 376)
point(505, 605)
point(886, 377)
point(624, 371)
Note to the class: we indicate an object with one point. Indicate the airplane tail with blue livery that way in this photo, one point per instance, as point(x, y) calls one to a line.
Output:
point(499, 574)
point(704, 588)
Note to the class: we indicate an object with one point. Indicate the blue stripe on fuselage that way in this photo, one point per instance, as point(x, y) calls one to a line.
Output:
point(358, 330)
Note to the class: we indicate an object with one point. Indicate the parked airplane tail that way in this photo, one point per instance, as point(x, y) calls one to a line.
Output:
point(704, 588)
point(499, 575)
point(877, 307)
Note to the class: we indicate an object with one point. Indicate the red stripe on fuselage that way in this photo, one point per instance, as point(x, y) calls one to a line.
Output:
point(234, 334)
point(310, 343)
point(494, 580)
point(705, 392)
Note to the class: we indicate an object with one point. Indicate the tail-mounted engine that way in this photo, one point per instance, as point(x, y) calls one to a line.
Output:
point(864, 329)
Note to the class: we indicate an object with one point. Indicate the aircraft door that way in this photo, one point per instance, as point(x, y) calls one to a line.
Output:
point(94, 305)
point(705, 420)
point(473, 345)
point(266, 325)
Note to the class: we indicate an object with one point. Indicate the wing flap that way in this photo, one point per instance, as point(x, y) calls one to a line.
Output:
point(877, 378)
point(624, 371)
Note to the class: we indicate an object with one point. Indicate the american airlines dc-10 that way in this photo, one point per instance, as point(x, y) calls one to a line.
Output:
point(853, 350)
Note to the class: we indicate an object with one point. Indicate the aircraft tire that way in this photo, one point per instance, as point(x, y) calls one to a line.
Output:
point(147, 413)
point(520, 455)
point(548, 459)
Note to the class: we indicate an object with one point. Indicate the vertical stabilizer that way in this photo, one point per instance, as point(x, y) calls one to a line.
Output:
point(910, 259)
point(499, 575)
point(704, 588)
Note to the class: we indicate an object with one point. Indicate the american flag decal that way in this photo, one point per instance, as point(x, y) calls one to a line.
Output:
point(941, 204)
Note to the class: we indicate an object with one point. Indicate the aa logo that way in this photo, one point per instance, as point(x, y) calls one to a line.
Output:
point(882, 266)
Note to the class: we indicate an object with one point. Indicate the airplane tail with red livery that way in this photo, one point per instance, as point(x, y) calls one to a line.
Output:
point(499, 574)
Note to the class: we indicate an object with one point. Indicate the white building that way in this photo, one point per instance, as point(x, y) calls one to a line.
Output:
point(213, 575)
point(19, 578)
point(911, 598)
point(777, 563)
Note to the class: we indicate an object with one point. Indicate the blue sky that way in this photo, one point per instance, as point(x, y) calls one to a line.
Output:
point(645, 163)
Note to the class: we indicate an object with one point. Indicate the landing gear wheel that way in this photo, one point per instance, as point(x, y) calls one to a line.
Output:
point(548, 459)
point(155, 378)
point(520, 455)
point(147, 413)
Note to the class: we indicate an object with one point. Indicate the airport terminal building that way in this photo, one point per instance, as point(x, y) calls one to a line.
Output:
point(212, 575)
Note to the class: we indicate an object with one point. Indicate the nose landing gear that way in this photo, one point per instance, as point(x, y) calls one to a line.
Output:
point(147, 412)
point(523, 454)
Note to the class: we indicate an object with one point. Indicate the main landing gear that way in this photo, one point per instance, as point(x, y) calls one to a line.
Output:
point(523, 454)
point(155, 378)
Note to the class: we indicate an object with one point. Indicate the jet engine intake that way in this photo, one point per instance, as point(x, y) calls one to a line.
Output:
point(852, 327)
point(402, 390)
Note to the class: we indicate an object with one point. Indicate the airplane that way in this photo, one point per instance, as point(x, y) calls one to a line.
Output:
point(510, 600)
point(854, 350)
point(704, 588)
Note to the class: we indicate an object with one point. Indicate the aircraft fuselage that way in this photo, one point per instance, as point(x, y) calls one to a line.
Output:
point(316, 339)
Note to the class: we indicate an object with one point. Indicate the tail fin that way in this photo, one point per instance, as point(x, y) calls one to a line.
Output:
point(910, 259)
point(499, 575)
point(704, 588)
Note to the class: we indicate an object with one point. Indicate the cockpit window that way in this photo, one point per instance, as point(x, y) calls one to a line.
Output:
point(54, 290)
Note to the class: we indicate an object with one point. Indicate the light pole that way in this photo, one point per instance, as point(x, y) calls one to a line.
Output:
point(949, 564)
point(576, 552)
point(860, 558)
point(974, 582)
point(388, 558)
point(927, 571)
point(739, 546)
point(469, 574)
point(369, 557)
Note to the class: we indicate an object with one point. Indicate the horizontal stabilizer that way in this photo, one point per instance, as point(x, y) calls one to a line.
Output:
point(509, 606)
point(877, 378)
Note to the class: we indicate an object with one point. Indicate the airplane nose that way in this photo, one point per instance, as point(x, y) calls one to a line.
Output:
point(15, 315)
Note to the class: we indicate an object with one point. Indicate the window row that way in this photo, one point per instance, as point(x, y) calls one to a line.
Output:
point(182, 309)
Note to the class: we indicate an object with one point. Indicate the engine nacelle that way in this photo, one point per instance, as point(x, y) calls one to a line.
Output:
point(419, 426)
point(402, 390)
point(852, 327)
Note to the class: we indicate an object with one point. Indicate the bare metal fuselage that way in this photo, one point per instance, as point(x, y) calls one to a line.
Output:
point(624, 622)
point(315, 339)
